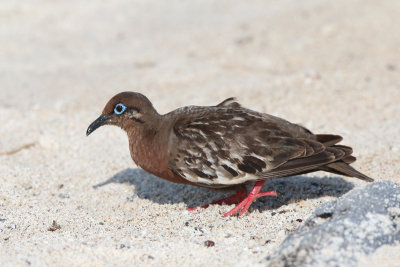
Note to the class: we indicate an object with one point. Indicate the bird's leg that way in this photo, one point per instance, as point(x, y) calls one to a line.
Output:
point(235, 198)
point(254, 194)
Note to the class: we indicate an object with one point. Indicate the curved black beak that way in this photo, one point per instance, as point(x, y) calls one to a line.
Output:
point(100, 121)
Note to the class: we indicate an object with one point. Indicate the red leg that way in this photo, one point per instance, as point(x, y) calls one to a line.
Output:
point(243, 206)
point(235, 198)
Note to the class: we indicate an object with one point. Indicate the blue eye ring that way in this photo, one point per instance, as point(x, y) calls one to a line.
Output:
point(119, 108)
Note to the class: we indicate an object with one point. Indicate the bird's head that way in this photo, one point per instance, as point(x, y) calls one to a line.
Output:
point(128, 110)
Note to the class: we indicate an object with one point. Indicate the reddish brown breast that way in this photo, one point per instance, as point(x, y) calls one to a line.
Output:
point(150, 152)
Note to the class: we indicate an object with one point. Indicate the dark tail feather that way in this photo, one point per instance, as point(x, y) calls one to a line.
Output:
point(328, 139)
point(342, 168)
point(349, 159)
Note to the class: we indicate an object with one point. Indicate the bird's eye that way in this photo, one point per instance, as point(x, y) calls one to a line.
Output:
point(119, 108)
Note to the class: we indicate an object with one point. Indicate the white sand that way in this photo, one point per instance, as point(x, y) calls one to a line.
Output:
point(331, 65)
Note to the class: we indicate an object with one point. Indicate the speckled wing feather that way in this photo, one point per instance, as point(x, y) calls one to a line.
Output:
point(227, 145)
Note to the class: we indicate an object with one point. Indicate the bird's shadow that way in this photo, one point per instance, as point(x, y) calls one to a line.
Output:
point(289, 189)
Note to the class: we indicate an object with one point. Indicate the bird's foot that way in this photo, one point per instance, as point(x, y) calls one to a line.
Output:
point(235, 198)
point(243, 206)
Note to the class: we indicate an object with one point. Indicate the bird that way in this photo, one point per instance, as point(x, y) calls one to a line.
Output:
point(223, 147)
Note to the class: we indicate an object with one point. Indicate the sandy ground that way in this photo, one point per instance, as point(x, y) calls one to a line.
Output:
point(331, 65)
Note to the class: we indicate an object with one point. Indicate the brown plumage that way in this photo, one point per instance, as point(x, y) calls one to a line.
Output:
point(222, 146)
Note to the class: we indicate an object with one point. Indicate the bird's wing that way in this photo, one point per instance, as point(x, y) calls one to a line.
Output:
point(230, 146)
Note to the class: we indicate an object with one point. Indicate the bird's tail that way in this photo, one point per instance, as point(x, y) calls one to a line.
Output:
point(341, 166)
